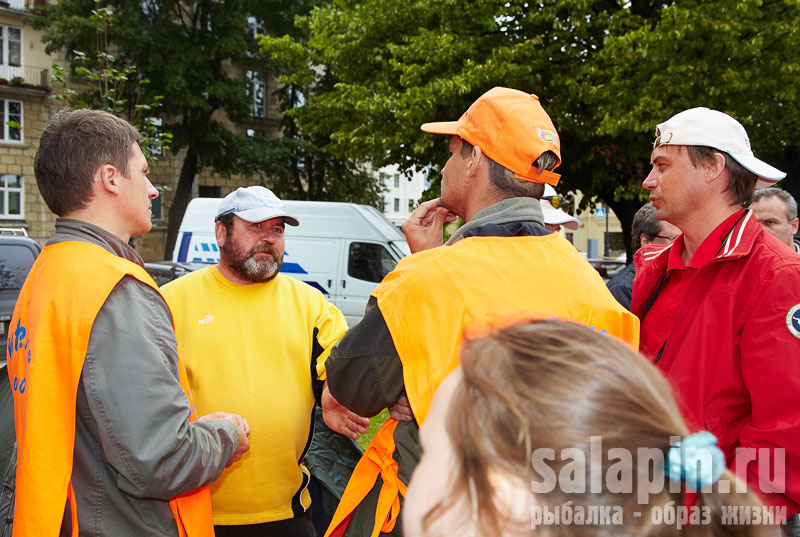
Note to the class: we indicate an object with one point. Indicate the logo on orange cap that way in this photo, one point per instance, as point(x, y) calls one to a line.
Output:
point(546, 135)
point(511, 128)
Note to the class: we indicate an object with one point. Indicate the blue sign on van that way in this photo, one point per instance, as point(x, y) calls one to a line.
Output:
point(197, 251)
point(208, 252)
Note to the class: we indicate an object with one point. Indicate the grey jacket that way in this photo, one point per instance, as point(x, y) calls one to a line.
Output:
point(134, 448)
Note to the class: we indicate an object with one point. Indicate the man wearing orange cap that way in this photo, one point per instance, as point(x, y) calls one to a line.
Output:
point(503, 151)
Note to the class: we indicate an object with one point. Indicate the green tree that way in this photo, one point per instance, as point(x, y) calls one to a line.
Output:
point(606, 71)
point(739, 57)
point(183, 48)
point(186, 51)
point(117, 91)
point(303, 165)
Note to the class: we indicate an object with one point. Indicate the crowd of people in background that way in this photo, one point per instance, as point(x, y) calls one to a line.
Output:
point(522, 391)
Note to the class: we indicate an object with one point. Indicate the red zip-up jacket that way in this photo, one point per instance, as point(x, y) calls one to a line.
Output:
point(733, 352)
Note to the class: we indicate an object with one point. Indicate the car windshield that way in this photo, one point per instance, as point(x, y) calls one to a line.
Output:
point(15, 263)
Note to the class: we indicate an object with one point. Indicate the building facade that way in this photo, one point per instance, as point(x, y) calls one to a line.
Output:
point(25, 106)
point(402, 193)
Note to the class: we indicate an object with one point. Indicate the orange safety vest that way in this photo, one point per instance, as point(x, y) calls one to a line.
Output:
point(478, 283)
point(47, 342)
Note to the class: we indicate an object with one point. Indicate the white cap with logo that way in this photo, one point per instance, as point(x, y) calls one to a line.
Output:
point(711, 128)
point(553, 215)
point(254, 204)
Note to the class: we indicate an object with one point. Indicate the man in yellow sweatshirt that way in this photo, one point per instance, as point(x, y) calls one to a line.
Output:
point(258, 340)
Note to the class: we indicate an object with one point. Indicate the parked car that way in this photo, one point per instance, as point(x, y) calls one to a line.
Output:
point(17, 254)
point(607, 268)
point(166, 271)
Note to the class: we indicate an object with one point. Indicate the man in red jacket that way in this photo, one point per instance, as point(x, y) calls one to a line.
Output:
point(720, 306)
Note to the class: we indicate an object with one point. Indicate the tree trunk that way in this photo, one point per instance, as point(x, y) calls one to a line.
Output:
point(183, 193)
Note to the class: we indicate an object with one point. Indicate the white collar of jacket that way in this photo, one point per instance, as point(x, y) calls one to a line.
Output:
point(738, 244)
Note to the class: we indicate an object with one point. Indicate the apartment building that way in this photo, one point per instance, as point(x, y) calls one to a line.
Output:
point(25, 106)
point(402, 193)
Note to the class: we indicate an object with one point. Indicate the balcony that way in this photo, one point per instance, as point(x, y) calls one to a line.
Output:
point(25, 77)
point(20, 5)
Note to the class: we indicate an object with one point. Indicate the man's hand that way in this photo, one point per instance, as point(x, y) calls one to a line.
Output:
point(424, 227)
point(339, 418)
point(241, 426)
point(401, 410)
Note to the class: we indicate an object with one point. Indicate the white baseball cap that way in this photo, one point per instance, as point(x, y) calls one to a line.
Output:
point(254, 204)
point(711, 128)
point(555, 216)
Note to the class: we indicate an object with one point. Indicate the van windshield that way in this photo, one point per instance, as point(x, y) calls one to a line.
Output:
point(369, 261)
point(400, 248)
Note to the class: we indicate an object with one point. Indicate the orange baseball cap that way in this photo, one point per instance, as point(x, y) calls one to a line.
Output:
point(511, 128)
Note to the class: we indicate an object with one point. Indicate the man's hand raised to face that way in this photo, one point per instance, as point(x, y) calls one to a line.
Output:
point(424, 227)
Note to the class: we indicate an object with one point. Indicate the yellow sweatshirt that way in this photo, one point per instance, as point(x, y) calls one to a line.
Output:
point(254, 350)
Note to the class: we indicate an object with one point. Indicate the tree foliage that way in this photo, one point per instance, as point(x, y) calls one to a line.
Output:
point(194, 54)
point(308, 169)
point(606, 71)
point(183, 48)
point(117, 91)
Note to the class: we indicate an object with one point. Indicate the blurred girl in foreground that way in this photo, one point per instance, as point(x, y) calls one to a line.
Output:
point(492, 445)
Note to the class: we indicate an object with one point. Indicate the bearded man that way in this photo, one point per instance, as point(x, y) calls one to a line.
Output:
point(258, 340)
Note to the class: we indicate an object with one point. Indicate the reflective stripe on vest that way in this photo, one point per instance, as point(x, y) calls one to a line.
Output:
point(47, 342)
point(433, 297)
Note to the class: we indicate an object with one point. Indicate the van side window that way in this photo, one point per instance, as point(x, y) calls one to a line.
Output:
point(370, 262)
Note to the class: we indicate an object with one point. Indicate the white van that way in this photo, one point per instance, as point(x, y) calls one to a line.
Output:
point(342, 249)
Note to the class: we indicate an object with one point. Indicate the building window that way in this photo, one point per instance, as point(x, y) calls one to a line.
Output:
point(397, 181)
point(254, 26)
point(10, 112)
point(13, 196)
point(256, 92)
point(255, 133)
point(208, 191)
point(155, 205)
point(11, 41)
point(397, 205)
point(612, 243)
point(154, 125)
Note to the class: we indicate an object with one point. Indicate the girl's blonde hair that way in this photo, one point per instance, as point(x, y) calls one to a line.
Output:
point(547, 384)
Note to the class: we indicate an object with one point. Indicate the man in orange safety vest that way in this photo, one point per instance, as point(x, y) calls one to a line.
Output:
point(108, 440)
point(502, 265)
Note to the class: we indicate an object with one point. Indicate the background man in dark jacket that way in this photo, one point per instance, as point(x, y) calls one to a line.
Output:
point(776, 209)
point(646, 229)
